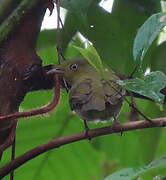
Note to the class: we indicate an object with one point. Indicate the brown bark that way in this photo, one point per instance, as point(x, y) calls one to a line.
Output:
point(20, 67)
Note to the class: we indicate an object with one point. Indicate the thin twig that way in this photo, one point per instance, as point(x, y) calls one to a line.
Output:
point(57, 142)
point(139, 112)
point(13, 157)
point(129, 103)
point(68, 35)
point(58, 42)
point(58, 30)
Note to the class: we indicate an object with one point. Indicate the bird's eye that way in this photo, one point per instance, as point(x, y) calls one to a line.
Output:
point(73, 67)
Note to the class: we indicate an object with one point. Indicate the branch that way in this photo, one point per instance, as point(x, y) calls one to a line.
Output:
point(13, 20)
point(57, 142)
point(38, 111)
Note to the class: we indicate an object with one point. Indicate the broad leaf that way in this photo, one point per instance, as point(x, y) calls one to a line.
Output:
point(146, 35)
point(149, 86)
point(93, 58)
point(131, 173)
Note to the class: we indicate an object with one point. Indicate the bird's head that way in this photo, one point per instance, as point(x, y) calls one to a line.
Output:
point(73, 70)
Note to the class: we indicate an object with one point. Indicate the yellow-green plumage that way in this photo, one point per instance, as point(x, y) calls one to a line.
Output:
point(90, 96)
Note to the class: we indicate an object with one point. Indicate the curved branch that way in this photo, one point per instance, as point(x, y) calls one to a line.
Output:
point(57, 142)
point(39, 111)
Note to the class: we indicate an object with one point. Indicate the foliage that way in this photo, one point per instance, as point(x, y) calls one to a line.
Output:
point(112, 35)
point(93, 58)
point(132, 173)
point(148, 86)
point(147, 34)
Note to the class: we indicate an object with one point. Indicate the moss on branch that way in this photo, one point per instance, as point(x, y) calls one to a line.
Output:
point(13, 19)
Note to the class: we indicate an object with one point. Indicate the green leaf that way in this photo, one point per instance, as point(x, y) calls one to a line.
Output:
point(131, 173)
point(146, 35)
point(158, 162)
point(93, 58)
point(46, 39)
point(76, 6)
point(149, 86)
point(126, 174)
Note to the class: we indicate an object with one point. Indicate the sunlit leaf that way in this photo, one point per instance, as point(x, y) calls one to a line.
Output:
point(93, 58)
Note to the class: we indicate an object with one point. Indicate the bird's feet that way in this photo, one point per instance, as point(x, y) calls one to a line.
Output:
point(116, 122)
point(86, 130)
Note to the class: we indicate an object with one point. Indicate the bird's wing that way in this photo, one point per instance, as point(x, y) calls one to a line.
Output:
point(113, 92)
point(96, 102)
point(80, 94)
point(83, 97)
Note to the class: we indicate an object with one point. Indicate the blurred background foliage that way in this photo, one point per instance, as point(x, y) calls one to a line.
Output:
point(112, 34)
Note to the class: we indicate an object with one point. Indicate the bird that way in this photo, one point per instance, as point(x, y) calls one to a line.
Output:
point(90, 96)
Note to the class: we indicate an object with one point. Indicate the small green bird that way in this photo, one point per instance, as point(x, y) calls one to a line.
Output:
point(90, 96)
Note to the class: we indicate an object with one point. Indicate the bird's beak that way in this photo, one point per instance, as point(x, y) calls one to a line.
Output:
point(55, 71)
